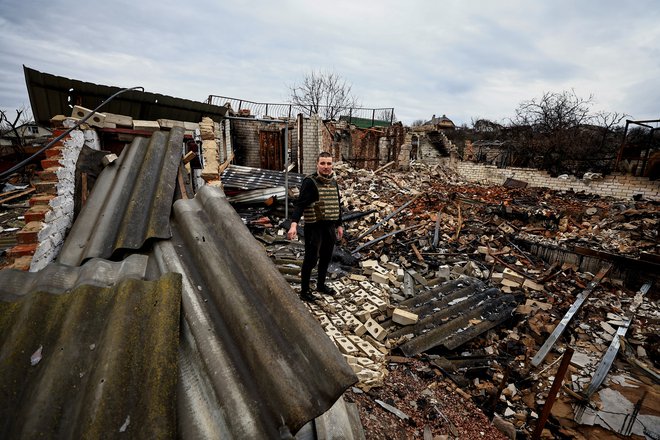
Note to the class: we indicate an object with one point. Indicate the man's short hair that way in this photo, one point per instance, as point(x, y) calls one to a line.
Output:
point(323, 154)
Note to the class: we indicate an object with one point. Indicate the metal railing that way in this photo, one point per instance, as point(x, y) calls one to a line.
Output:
point(369, 117)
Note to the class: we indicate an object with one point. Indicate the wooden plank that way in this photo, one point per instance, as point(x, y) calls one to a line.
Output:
point(16, 196)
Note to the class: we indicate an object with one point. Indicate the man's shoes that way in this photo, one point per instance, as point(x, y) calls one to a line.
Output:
point(324, 289)
point(307, 296)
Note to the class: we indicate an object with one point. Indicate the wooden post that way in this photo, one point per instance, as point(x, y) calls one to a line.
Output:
point(552, 394)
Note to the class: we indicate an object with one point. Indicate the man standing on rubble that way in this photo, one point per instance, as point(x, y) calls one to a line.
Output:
point(319, 202)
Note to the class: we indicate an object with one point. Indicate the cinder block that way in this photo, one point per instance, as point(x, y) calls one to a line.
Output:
point(404, 317)
point(96, 120)
point(377, 277)
point(119, 120)
point(346, 346)
point(379, 303)
point(375, 329)
point(145, 125)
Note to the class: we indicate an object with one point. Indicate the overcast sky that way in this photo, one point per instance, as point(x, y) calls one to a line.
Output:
point(466, 59)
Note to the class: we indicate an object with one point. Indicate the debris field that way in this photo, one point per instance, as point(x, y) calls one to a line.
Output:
point(450, 296)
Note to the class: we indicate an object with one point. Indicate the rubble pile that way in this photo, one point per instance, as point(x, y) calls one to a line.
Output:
point(436, 255)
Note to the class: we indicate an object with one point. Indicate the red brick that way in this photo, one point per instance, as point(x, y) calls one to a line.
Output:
point(49, 163)
point(45, 187)
point(21, 263)
point(48, 175)
point(55, 151)
point(29, 233)
point(36, 213)
point(22, 249)
point(58, 131)
point(41, 199)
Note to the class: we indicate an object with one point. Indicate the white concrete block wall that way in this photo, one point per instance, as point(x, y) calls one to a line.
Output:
point(59, 219)
point(617, 186)
point(312, 136)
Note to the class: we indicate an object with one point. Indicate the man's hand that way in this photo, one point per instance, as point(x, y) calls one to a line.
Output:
point(340, 232)
point(293, 231)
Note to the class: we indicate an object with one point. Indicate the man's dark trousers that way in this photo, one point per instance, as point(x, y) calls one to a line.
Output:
point(320, 239)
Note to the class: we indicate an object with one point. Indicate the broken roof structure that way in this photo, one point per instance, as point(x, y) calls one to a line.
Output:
point(177, 264)
point(252, 363)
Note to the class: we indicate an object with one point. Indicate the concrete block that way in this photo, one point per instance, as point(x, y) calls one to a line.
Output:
point(360, 330)
point(404, 317)
point(119, 120)
point(375, 329)
point(170, 123)
point(363, 315)
point(379, 303)
point(96, 120)
point(145, 125)
point(513, 276)
point(379, 278)
point(346, 346)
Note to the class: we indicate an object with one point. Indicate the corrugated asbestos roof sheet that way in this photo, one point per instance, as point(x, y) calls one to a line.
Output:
point(453, 314)
point(131, 200)
point(253, 363)
point(247, 178)
point(253, 360)
point(92, 362)
point(58, 278)
point(50, 95)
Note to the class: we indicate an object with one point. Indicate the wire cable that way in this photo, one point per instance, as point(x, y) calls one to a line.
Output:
point(69, 130)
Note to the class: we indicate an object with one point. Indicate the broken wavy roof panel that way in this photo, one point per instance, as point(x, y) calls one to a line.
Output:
point(254, 363)
point(131, 200)
point(453, 314)
point(92, 362)
point(52, 95)
point(247, 178)
point(58, 278)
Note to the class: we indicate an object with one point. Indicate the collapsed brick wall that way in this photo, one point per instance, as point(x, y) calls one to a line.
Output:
point(59, 181)
point(614, 185)
point(246, 142)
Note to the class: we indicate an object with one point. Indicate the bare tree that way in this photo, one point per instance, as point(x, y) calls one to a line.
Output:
point(549, 131)
point(325, 93)
point(6, 125)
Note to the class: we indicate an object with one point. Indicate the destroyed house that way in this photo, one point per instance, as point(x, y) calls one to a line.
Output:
point(455, 281)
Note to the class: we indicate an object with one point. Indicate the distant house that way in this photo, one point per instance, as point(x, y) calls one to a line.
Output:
point(442, 122)
point(30, 133)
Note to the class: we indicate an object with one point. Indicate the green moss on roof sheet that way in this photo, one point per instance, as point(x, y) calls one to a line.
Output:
point(91, 363)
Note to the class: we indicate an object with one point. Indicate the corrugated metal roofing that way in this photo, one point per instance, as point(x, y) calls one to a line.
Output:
point(247, 178)
point(254, 362)
point(50, 95)
point(452, 314)
point(92, 362)
point(131, 200)
point(58, 278)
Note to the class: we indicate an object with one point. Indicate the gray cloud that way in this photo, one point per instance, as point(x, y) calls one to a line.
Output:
point(463, 59)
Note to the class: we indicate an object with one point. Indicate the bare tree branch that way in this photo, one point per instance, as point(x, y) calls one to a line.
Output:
point(325, 93)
